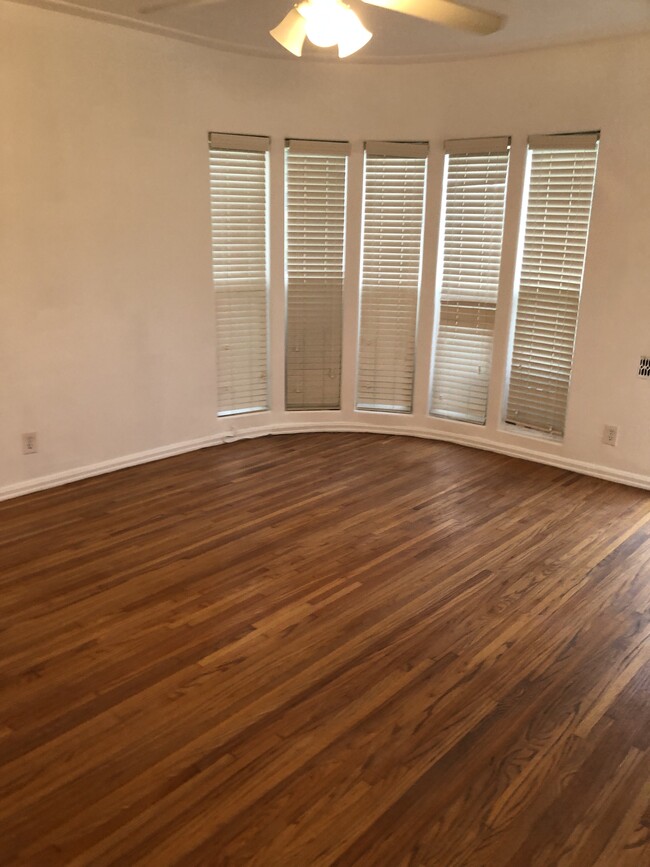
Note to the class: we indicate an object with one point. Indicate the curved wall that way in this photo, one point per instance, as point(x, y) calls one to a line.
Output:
point(106, 310)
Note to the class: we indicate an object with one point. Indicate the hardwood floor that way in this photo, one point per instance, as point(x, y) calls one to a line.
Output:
point(327, 649)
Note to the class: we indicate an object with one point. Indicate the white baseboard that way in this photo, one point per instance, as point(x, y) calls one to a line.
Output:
point(42, 483)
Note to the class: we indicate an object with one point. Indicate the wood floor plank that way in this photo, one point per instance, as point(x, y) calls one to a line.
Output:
point(326, 649)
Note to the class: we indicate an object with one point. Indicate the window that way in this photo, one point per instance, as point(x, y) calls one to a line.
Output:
point(394, 184)
point(471, 237)
point(560, 177)
point(238, 200)
point(315, 233)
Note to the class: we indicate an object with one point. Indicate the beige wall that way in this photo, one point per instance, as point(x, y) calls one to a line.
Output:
point(106, 332)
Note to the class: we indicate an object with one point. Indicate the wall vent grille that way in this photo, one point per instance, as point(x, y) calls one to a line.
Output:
point(644, 366)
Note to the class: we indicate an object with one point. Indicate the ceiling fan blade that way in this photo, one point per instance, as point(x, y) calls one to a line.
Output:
point(175, 4)
point(446, 12)
point(291, 32)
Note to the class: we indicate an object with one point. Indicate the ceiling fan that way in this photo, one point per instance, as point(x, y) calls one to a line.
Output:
point(333, 22)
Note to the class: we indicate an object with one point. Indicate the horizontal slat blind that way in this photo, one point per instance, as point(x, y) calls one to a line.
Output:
point(238, 199)
point(560, 182)
point(470, 248)
point(315, 232)
point(390, 283)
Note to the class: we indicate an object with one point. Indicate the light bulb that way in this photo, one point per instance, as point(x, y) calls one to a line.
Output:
point(324, 20)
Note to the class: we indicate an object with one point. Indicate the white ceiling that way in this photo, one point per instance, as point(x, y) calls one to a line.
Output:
point(243, 25)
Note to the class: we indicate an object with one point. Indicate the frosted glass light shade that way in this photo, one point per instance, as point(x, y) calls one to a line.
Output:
point(353, 34)
point(291, 32)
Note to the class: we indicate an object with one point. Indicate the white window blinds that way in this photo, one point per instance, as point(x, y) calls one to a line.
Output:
point(394, 185)
point(315, 235)
point(474, 197)
point(238, 200)
point(560, 179)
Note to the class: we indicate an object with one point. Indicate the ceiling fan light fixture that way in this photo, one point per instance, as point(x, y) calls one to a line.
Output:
point(325, 23)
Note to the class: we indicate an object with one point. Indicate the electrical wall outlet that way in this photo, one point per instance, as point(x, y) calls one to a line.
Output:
point(30, 444)
point(610, 434)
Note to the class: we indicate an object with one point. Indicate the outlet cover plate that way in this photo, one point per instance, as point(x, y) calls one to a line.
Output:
point(610, 434)
point(30, 444)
